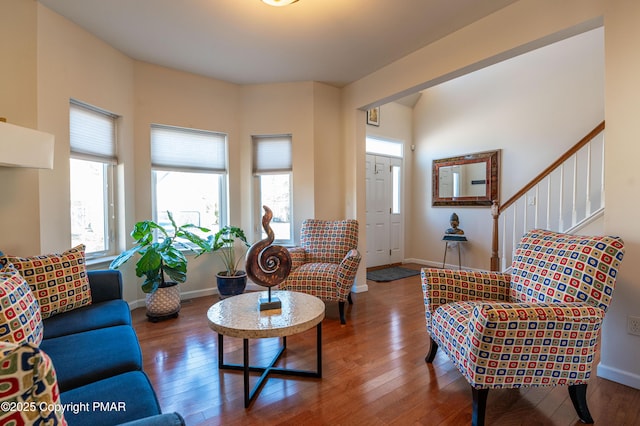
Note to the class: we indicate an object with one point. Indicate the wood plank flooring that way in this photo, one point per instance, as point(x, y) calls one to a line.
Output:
point(373, 373)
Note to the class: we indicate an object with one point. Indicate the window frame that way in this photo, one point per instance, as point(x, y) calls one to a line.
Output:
point(257, 188)
point(109, 164)
point(222, 174)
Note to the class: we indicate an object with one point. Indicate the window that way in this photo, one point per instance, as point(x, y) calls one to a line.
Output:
point(189, 170)
point(273, 184)
point(384, 147)
point(91, 167)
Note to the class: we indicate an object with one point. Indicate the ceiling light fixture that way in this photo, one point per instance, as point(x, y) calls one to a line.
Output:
point(279, 3)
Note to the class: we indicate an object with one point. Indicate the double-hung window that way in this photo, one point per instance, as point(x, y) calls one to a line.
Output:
point(92, 181)
point(189, 169)
point(272, 170)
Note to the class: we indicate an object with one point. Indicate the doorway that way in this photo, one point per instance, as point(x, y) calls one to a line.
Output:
point(385, 215)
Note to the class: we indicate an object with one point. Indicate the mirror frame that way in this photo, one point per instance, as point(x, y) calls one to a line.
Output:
point(492, 161)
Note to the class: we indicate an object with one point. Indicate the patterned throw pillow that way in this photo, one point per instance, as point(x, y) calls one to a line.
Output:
point(20, 319)
point(59, 281)
point(29, 393)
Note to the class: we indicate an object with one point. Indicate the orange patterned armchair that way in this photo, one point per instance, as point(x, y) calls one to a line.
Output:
point(326, 262)
point(537, 326)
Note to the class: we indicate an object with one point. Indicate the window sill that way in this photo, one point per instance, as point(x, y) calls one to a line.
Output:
point(99, 262)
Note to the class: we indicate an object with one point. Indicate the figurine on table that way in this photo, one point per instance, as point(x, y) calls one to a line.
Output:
point(454, 225)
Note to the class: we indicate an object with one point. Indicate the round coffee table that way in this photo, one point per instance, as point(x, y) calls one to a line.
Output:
point(240, 316)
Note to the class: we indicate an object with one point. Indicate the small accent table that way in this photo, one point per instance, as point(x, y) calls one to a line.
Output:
point(450, 238)
point(240, 316)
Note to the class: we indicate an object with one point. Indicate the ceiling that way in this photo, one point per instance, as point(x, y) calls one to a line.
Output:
point(248, 42)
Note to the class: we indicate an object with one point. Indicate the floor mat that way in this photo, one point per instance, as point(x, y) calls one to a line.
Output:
point(390, 274)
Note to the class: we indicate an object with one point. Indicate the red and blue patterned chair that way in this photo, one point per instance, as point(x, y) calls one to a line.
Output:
point(29, 393)
point(326, 262)
point(537, 326)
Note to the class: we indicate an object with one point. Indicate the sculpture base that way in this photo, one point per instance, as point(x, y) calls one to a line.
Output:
point(267, 304)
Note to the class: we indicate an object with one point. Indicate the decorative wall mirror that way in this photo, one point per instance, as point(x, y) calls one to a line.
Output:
point(469, 180)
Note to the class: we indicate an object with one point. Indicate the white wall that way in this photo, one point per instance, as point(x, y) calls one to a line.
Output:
point(532, 107)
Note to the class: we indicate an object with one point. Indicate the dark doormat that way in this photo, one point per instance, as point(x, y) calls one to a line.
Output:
point(390, 274)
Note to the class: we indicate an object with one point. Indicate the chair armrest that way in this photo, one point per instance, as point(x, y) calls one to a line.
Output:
point(347, 271)
point(298, 257)
point(541, 337)
point(441, 286)
point(105, 285)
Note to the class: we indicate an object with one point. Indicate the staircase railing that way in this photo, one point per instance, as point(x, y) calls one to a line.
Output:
point(565, 194)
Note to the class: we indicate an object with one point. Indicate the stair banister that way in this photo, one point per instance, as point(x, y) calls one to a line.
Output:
point(497, 208)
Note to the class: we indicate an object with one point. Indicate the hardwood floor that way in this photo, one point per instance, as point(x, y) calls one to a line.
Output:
point(373, 373)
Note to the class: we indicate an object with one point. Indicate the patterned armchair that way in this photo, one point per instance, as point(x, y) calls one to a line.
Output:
point(326, 262)
point(537, 326)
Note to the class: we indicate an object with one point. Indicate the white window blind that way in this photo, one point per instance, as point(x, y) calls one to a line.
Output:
point(92, 133)
point(271, 154)
point(177, 148)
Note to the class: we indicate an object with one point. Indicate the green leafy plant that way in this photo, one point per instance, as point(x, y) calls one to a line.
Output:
point(224, 243)
point(163, 255)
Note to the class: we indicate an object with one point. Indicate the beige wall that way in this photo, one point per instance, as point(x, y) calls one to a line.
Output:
point(270, 109)
point(328, 175)
point(621, 351)
point(517, 28)
point(19, 212)
point(549, 97)
point(73, 64)
point(396, 123)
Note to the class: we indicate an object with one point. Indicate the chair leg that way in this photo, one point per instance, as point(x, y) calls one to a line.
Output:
point(433, 348)
point(479, 406)
point(578, 394)
point(341, 310)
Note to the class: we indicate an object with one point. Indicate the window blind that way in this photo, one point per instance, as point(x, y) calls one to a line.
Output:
point(178, 148)
point(271, 154)
point(92, 133)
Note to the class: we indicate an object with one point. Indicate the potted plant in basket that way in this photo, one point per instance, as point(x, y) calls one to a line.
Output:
point(231, 281)
point(161, 258)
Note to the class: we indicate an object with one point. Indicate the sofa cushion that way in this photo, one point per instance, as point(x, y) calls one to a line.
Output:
point(20, 319)
point(92, 317)
point(58, 281)
point(28, 379)
point(94, 355)
point(114, 400)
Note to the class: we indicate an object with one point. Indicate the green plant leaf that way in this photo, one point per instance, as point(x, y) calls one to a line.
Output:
point(176, 274)
point(151, 283)
point(174, 258)
point(123, 257)
point(149, 262)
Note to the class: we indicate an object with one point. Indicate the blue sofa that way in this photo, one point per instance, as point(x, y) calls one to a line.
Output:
point(98, 362)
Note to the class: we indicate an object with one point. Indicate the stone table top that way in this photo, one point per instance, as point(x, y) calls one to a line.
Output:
point(240, 316)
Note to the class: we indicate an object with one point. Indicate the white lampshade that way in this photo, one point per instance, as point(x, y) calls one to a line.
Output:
point(23, 147)
point(279, 2)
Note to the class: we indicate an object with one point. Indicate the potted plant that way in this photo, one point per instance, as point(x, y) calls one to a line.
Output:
point(231, 281)
point(160, 258)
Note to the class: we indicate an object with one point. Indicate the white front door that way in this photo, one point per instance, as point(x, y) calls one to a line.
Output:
point(384, 213)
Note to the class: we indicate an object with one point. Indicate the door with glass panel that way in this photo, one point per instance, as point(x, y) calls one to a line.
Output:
point(384, 214)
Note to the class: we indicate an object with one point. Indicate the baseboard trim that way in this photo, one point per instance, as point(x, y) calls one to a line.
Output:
point(619, 376)
point(186, 295)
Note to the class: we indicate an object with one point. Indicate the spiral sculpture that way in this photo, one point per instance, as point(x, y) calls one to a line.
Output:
point(268, 265)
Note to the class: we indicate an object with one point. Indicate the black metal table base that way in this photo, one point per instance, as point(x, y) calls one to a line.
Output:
point(250, 395)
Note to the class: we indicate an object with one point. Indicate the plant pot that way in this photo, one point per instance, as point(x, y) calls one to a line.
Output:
point(231, 285)
point(164, 303)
